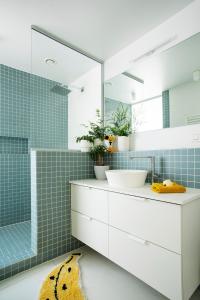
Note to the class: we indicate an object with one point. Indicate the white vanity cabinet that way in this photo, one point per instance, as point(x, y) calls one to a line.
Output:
point(154, 265)
point(90, 217)
point(157, 240)
point(154, 221)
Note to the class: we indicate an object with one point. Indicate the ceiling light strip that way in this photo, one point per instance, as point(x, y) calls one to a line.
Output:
point(152, 51)
point(133, 77)
point(58, 40)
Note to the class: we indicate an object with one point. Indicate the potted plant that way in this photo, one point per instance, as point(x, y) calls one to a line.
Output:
point(97, 154)
point(96, 136)
point(121, 127)
point(97, 130)
point(86, 142)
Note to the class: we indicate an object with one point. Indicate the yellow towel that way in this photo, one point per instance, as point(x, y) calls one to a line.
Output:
point(175, 188)
point(63, 282)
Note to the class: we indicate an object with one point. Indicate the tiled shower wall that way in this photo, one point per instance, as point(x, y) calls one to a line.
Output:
point(48, 115)
point(51, 173)
point(31, 110)
point(14, 103)
point(30, 116)
point(180, 165)
point(14, 181)
point(166, 108)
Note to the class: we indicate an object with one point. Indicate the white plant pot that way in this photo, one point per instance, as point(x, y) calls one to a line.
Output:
point(85, 146)
point(100, 172)
point(123, 143)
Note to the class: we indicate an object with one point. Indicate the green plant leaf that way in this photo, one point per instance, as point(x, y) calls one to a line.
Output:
point(121, 122)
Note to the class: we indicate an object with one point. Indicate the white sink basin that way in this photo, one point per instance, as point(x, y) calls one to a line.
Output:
point(126, 178)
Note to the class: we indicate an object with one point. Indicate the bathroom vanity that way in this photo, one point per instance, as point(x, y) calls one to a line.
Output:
point(155, 237)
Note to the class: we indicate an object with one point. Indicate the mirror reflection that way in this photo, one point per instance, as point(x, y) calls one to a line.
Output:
point(162, 90)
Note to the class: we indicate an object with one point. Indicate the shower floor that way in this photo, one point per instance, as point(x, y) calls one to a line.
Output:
point(15, 243)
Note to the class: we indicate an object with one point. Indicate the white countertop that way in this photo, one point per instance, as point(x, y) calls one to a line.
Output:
point(144, 192)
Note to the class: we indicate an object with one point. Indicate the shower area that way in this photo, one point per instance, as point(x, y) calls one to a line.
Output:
point(15, 195)
point(42, 104)
point(33, 114)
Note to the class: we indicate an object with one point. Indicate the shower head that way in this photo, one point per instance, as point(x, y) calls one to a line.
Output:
point(60, 89)
point(64, 90)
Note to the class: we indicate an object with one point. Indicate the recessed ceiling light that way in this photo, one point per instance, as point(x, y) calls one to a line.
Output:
point(50, 61)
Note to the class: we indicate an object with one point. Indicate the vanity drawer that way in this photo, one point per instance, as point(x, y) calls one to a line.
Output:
point(155, 265)
point(155, 221)
point(89, 201)
point(91, 232)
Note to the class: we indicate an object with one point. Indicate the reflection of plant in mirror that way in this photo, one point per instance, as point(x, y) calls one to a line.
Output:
point(138, 117)
point(121, 122)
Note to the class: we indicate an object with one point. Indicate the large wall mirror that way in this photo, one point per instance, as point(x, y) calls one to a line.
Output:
point(161, 90)
point(67, 91)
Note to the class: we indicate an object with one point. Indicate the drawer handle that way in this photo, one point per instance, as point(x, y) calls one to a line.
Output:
point(141, 199)
point(136, 239)
point(145, 199)
point(86, 217)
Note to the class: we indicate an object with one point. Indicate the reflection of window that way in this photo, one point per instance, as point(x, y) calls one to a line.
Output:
point(148, 115)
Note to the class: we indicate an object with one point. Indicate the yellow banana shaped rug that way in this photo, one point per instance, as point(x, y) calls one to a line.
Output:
point(63, 283)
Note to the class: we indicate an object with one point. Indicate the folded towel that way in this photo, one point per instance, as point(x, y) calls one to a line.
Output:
point(161, 188)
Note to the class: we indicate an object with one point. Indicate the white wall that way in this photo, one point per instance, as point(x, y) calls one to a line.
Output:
point(168, 138)
point(182, 25)
point(82, 106)
point(184, 102)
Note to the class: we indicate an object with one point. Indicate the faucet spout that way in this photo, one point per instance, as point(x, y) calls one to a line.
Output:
point(152, 159)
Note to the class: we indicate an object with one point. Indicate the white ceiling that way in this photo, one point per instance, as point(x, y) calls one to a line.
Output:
point(69, 64)
point(100, 27)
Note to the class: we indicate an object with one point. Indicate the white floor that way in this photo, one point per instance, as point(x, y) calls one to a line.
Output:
point(101, 279)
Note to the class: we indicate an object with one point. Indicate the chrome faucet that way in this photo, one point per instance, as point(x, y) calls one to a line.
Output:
point(152, 159)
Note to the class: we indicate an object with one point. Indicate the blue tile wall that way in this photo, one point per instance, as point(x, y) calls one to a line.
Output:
point(14, 102)
point(30, 116)
point(180, 165)
point(51, 172)
point(48, 115)
point(13, 145)
point(15, 196)
point(29, 109)
point(166, 109)
point(14, 133)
